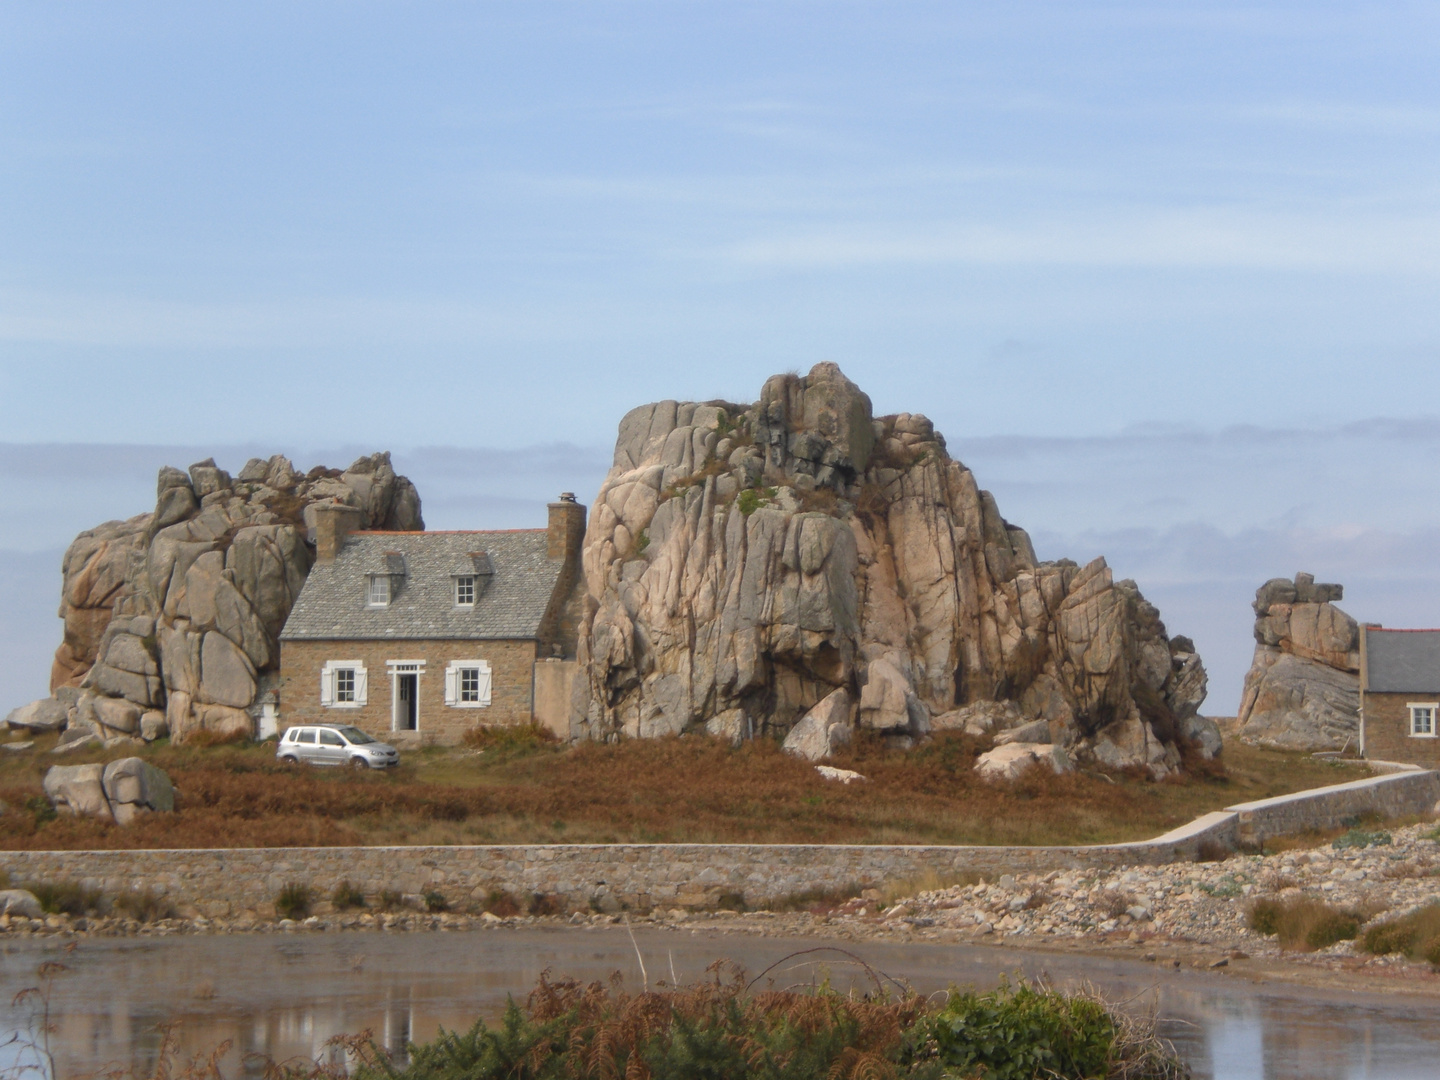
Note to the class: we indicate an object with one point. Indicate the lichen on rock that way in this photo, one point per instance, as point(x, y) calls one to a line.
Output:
point(745, 562)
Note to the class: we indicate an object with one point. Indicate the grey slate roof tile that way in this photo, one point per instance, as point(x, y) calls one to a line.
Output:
point(331, 606)
point(1402, 661)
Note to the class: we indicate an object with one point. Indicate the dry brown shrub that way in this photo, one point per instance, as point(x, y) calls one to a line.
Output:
point(1114, 902)
point(1303, 922)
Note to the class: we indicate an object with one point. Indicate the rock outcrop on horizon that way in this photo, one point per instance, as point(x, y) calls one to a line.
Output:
point(172, 618)
point(1303, 688)
point(745, 563)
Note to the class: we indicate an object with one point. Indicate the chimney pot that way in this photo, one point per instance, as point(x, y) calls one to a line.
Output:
point(566, 527)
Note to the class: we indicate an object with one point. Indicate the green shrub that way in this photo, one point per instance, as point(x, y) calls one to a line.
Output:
point(347, 896)
point(293, 901)
point(40, 807)
point(642, 541)
point(1304, 923)
point(752, 499)
point(68, 898)
point(390, 900)
point(1017, 1033)
point(1416, 935)
point(1265, 917)
point(1363, 838)
point(435, 900)
point(145, 906)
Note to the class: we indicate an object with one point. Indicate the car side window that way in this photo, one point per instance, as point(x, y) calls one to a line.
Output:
point(329, 738)
point(307, 735)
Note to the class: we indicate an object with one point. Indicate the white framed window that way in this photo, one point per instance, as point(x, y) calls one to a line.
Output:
point(1422, 719)
point(465, 590)
point(378, 593)
point(467, 684)
point(343, 684)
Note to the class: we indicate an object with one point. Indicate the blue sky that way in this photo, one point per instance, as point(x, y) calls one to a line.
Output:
point(1153, 267)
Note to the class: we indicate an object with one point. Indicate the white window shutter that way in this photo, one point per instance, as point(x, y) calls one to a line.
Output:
point(361, 684)
point(327, 686)
point(452, 692)
point(484, 683)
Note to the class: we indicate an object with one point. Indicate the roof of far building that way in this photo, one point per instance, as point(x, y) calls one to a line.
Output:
point(1402, 661)
point(510, 600)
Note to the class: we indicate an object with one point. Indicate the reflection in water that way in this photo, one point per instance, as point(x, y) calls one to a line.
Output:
point(289, 996)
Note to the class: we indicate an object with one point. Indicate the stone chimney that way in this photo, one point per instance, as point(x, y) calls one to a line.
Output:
point(567, 527)
point(333, 523)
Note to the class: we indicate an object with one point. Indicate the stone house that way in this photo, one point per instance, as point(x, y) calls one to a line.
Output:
point(1400, 695)
point(420, 636)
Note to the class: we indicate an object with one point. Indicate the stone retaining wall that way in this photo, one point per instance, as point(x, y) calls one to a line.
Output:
point(236, 883)
point(1394, 795)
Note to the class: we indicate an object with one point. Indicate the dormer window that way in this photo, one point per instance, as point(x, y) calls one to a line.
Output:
point(379, 591)
point(465, 590)
point(470, 576)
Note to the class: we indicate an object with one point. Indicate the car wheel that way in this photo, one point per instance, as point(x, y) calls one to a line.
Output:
point(289, 762)
point(359, 763)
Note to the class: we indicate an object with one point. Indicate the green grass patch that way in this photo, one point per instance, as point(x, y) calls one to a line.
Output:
point(1363, 838)
point(346, 897)
point(293, 901)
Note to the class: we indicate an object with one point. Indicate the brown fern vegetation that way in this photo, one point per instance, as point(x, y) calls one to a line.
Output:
point(514, 787)
point(718, 1028)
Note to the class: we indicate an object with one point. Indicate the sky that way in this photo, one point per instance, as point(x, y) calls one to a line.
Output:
point(1165, 275)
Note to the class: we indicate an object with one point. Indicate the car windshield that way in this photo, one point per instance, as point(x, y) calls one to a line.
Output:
point(355, 736)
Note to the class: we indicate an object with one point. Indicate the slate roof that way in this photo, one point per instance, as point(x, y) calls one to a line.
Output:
point(1402, 661)
point(332, 606)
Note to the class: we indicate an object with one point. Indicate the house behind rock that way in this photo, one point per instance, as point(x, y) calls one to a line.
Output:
point(421, 636)
point(1400, 695)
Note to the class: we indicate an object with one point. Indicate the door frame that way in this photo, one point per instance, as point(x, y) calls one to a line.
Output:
point(396, 668)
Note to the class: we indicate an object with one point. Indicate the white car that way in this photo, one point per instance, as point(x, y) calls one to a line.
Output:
point(335, 744)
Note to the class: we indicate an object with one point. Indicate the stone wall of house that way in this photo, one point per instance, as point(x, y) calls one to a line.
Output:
point(1387, 731)
point(239, 882)
point(554, 682)
point(512, 665)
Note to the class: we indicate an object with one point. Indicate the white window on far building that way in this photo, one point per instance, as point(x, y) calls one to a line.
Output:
point(343, 684)
point(467, 684)
point(378, 595)
point(465, 590)
point(1422, 719)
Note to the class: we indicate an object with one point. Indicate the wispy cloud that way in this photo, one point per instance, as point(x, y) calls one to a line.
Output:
point(1203, 238)
point(107, 319)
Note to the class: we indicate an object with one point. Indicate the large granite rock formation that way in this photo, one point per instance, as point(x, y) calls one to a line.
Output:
point(1303, 688)
point(179, 610)
point(745, 562)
